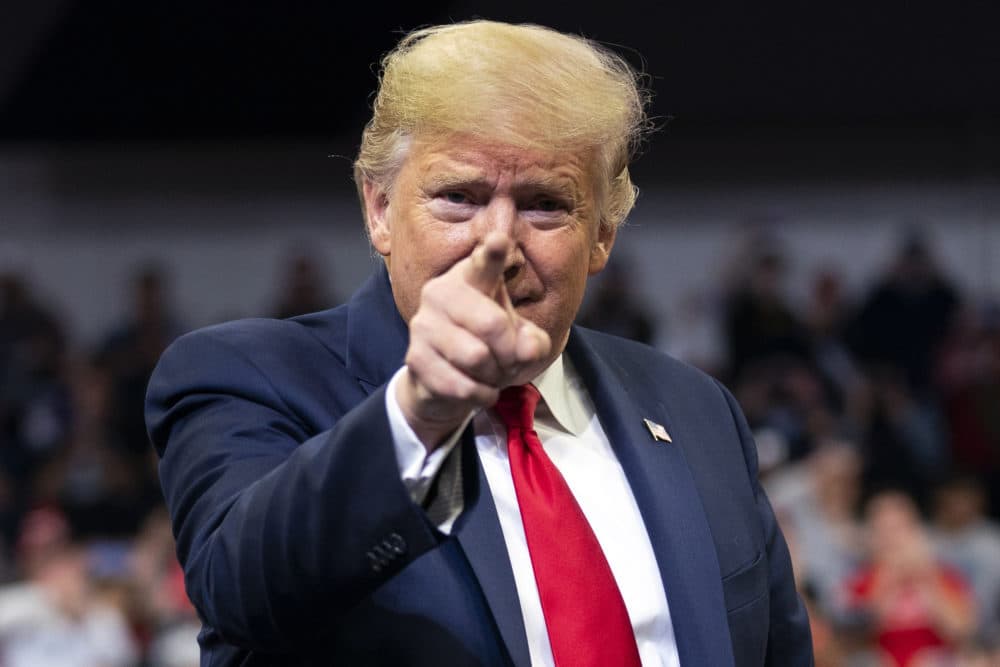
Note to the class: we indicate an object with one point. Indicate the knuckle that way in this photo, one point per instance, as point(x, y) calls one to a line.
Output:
point(436, 387)
point(493, 324)
point(464, 389)
point(476, 354)
point(505, 347)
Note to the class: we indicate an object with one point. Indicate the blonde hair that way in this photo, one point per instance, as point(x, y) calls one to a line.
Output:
point(524, 85)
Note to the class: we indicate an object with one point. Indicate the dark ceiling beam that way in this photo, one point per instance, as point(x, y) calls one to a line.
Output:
point(23, 33)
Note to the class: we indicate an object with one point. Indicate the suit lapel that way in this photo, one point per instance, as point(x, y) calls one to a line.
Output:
point(478, 531)
point(668, 501)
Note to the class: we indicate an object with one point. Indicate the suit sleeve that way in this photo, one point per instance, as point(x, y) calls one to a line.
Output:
point(280, 531)
point(789, 642)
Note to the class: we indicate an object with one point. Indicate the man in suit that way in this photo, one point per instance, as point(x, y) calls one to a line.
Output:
point(445, 471)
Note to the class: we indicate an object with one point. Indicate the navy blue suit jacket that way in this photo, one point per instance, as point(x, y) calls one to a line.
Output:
point(300, 543)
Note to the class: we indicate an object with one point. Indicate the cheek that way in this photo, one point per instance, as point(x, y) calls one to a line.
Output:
point(563, 262)
point(564, 278)
point(426, 248)
point(426, 241)
point(453, 241)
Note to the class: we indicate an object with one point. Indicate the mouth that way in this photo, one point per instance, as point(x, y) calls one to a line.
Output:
point(517, 302)
point(524, 292)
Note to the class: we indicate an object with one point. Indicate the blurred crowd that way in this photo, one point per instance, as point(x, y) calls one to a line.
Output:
point(876, 413)
point(88, 572)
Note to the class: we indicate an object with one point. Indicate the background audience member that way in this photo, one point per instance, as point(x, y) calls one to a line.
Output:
point(916, 608)
point(54, 616)
point(818, 502)
point(968, 541)
point(130, 352)
point(902, 323)
point(302, 287)
point(614, 306)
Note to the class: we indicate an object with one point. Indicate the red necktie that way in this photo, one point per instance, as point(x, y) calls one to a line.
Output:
point(585, 615)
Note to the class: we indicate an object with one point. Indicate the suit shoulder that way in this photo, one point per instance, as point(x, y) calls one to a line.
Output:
point(257, 354)
point(287, 365)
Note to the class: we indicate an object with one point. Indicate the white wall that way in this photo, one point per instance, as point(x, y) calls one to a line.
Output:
point(225, 253)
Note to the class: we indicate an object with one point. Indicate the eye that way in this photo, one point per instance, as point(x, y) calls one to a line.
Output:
point(548, 205)
point(455, 197)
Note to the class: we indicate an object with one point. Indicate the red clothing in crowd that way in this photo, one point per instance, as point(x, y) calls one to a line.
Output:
point(905, 620)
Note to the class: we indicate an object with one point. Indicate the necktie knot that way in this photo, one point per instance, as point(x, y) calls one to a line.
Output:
point(516, 406)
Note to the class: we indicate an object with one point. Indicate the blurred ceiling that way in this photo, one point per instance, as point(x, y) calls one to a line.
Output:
point(728, 76)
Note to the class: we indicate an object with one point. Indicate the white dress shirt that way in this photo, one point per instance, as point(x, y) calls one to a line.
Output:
point(572, 436)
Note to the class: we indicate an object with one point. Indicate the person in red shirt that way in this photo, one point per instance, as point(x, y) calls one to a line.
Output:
point(918, 609)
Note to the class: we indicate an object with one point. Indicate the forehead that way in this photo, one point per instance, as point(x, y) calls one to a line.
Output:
point(458, 158)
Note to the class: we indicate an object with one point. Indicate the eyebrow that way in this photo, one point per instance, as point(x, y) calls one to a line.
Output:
point(557, 185)
point(441, 181)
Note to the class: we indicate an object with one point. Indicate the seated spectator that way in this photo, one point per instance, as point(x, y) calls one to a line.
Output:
point(905, 438)
point(969, 379)
point(904, 319)
point(968, 541)
point(915, 608)
point(104, 489)
point(131, 351)
point(35, 417)
point(826, 320)
point(788, 408)
point(760, 325)
point(614, 307)
point(302, 287)
point(817, 502)
point(52, 616)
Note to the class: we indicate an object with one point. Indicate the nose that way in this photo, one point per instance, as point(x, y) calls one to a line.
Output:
point(515, 260)
point(501, 215)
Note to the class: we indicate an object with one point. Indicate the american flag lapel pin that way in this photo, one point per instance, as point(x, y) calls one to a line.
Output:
point(657, 430)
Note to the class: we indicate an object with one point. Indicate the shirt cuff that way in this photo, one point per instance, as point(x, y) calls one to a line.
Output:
point(417, 468)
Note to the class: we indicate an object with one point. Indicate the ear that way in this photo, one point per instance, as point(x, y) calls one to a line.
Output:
point(377, 217)
point(600, 251)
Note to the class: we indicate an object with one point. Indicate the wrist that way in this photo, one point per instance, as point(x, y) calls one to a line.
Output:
point(431, 421)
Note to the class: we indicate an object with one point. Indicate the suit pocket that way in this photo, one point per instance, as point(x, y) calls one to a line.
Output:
point(746, 584)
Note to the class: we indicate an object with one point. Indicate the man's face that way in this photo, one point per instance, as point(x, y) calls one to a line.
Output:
point(449, 195)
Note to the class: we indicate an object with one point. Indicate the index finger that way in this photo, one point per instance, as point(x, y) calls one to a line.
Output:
point(486, 263)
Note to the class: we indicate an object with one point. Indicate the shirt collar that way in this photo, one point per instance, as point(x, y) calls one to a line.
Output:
point(564, 395)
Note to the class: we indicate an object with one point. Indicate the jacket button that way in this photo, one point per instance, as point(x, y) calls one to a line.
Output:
point(395, 543)
point(376, 561)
